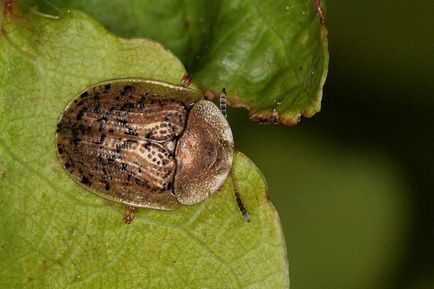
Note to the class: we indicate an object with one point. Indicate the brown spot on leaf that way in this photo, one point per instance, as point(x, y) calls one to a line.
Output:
point(10, 7)
point(291, 121)
point(265, 117)
point(319, 12)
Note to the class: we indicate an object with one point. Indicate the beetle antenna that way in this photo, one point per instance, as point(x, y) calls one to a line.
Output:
point(238, 198)
point(223, 103)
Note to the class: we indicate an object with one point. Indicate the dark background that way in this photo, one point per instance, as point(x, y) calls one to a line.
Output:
point(353, 185)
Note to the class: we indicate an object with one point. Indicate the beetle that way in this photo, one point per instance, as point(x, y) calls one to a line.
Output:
point(146, 143)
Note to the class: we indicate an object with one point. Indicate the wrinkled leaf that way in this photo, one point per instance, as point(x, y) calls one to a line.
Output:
point(54, 234)
point(271, 55)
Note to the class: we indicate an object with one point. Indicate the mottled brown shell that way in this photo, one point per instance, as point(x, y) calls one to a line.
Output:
point(145, 143)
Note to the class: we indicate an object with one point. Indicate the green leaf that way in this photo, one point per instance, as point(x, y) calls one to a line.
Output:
point(54, 234)
point(270, 55)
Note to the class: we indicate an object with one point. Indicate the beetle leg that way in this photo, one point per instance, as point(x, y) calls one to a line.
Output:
point(238, 199)
point(186, 80)
point(129, 215)
point(223, 103)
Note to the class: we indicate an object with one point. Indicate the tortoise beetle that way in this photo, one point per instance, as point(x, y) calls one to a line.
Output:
point(145, 143)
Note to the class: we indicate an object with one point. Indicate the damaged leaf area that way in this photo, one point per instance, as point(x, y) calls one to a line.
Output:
point(55, 234)
point(270, 55)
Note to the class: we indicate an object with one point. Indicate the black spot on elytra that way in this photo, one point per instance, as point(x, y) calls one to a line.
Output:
point(81, 113)
point(127, 107)
point(126, 144)
point(126, 89)
point(106, 87)
point(101, 139)
point(75, 141)
point(85, 181)
point(107, 187)
point(84, 94)
point(80, 103)
point(141, 104)
point(103, 119)
point(131, 131)
point(122, 121)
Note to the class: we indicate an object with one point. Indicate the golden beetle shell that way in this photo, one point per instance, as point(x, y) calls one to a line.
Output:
point(145, 143)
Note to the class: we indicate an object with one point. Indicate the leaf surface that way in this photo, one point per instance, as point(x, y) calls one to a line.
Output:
point(54, 234)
